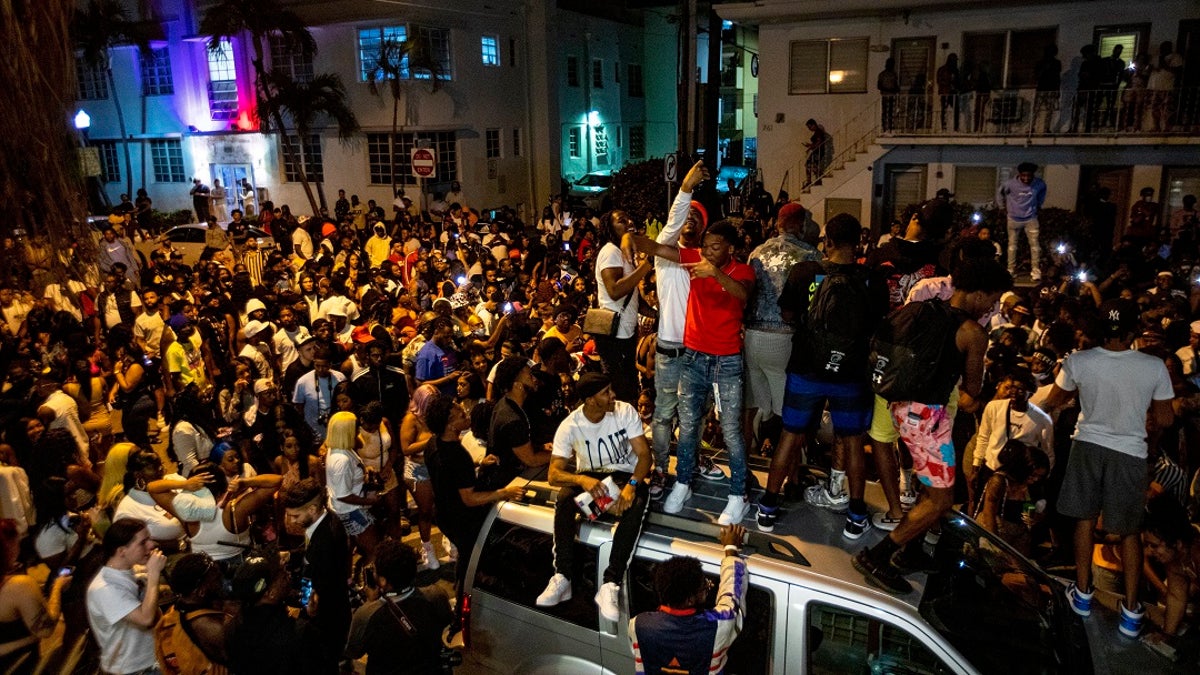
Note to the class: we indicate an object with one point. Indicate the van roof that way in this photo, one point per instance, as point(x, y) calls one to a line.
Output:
point(806, 538)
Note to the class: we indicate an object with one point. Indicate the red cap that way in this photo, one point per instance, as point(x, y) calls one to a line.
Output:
point(703, 214)
point(790, 210)
point(362, 334)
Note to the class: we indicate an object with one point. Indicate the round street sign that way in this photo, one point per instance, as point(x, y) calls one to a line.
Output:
point(424, 162)
point(671, 167)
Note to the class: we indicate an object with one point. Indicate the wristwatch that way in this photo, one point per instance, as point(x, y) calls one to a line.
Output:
point(633, 482)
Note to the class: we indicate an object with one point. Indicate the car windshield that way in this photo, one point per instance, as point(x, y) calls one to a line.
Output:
point(595, 180)
point(1000, 610)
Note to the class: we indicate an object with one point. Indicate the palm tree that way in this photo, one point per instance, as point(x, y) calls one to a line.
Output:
point(262, 19)
point(96, 29)
point(399, 62)
point(306, 103)
point(38, 155)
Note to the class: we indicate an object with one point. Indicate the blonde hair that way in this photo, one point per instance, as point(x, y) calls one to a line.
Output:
point(342, 431)
point(112, 482)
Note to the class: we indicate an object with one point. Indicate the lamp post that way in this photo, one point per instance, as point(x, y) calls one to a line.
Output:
point(83, 122)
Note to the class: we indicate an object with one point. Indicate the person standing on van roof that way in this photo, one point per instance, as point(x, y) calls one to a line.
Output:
point(681, 637)
point(606, 439)
point(711, 364)
point(923, 409)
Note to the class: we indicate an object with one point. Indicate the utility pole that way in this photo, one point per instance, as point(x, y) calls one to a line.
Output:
point(687, 105)
point(712, 93)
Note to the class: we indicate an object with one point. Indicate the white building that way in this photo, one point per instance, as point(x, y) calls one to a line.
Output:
point(493, 119)
point(820, 60)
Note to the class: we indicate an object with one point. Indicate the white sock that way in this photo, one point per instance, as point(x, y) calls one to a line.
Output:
point(906, 480)
point(835, 481)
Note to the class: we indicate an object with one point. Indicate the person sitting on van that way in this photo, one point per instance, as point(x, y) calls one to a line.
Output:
point(606, 439)
point(680, 635)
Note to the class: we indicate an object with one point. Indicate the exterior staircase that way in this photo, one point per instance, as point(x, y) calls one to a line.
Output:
point(855, 151)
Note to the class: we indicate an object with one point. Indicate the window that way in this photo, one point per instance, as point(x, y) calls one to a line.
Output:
point(1133, 38)
point(314, 165)
point(516, 562)
point(156, 72)
point(436, 42)
point(634, 80)
point(834, 66)
point(371, 43)
point(598, 73)
point(637, 142)
point(285, 58)
point(93, 82)
point(492, 143)
point(110, 168)
point(222, 82)
point(490, 46)
point(167, 158)
point(1009, 57)
point(600, 141)
point(380, 166)
point(849, 639)
point(575, 142)
point(1178, 182)
point(751, 652)
point(975, 184)
point(572, 71)
point(516, 142)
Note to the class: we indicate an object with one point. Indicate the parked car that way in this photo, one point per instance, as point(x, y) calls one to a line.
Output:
point(593, 190)
point(189, 240)
point(986, 610)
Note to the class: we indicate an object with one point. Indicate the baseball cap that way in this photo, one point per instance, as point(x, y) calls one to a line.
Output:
point(253, 327)
point(1119, 317)
point(1195, 327)
point(254, 577)
point(944, 193)
point(362, 335)
point(178, 321)
point(263, 384)
point(253, 305)
point(591, 384)
point(791, 210)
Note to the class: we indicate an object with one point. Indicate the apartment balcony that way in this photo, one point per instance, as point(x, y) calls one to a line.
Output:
point(1028, 117)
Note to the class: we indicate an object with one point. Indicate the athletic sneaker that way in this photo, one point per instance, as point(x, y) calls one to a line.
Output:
point(680, 493)
point(766, 517)
point(885, 577)
point(907, 499)
point(707, 470)
point(817, 495)
point(558, 590)
point(1081, 603)
point(856, 526)
point(735, 511)
point(608, 599)
point(1132, 621)
point(885, 522)
point(657, 481)
point(913, 560)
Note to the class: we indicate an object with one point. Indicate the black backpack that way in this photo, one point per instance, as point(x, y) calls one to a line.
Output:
point(914, 355)
point(838, 318)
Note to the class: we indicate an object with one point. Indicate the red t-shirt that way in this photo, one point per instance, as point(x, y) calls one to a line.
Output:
point(714, 317)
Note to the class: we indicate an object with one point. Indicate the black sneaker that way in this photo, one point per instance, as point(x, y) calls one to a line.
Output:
point(856, 526)
point(657, 481)
point(913, 560)
point(766, 517)
point(884, 577)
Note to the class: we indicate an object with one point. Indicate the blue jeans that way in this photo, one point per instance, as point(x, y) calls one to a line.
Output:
point(666, 403)
point(699, 372)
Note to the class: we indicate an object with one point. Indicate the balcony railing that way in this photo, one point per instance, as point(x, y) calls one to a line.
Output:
point(1026, 112)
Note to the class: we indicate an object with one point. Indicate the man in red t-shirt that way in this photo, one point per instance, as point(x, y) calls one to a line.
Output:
point(712, 360)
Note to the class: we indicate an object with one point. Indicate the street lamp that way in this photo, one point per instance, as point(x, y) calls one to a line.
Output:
point(83, 121)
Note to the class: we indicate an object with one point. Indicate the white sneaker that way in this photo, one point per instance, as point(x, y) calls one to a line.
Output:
point(608, 600)
point(449, 549)
point(817, 495)
point(680, 493)
point(735, 510)
point(558, 590)
point(429, 560)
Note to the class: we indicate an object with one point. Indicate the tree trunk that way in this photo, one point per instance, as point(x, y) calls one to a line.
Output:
point(112, 90)
point(260, 78)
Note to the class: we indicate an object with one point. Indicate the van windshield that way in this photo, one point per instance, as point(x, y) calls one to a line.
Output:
point(1001, 611)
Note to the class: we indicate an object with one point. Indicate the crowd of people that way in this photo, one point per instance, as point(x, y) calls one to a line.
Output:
point(1098, 93)
point(253, 432)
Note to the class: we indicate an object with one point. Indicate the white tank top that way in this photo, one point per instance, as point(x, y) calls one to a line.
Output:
point(375, 447)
